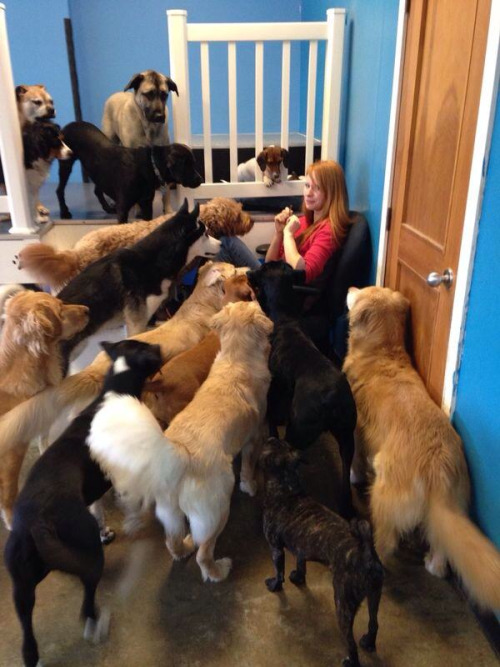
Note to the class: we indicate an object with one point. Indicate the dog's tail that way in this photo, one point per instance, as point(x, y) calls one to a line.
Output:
point(49, 266)
point(58, 554)
point(475, 559)
point(127, 442)
point(36, 415)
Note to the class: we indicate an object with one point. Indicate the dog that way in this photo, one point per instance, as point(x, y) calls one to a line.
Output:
point(180, 378)
point(52, 527)
point(132, 282)
point(43, 142)
point(272, 162)
point(34, 417)
point(34, 325)
point(139, 118)
point(187, 470)
point(307, 392)
point(421, 476)
point(55, 268)
point(128, 175)
point(312, 532)
point(34, 103)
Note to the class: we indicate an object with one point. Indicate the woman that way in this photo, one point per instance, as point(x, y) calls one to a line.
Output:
point(308, 242)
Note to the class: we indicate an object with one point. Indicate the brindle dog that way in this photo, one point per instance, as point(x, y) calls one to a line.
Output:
point(139, 118)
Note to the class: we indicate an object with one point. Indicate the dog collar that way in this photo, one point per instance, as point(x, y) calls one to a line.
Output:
point(155, 168)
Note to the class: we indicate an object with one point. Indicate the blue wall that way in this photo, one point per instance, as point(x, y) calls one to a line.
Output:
point(477, 414)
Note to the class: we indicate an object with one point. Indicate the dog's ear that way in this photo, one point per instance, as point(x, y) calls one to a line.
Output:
point(212, 276)
point(195, 213)
point(262, 160)
point(20, 91)
point(73, 320)
point(184, 207)
point(134, 82)
point(109, 348)
point(172, 86)
point(284, 157)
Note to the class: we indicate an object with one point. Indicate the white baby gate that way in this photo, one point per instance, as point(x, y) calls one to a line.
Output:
point(180, 33)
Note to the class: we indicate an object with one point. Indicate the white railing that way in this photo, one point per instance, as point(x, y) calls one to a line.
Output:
point(181, 33)
point(16, 201)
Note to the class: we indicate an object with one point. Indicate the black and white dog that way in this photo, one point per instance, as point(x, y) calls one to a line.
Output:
point(52, 527)
point(43, 143)
point(128, 175)
point(312, 532)
point(132, 282)
point(307, 392)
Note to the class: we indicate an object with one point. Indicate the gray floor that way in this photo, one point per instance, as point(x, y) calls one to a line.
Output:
point(170, 618)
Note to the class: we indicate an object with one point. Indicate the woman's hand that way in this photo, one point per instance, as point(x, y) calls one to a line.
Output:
point(281, 219)
point(292, 225)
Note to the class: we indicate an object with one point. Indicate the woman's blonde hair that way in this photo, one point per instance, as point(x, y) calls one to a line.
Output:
point(329, 177)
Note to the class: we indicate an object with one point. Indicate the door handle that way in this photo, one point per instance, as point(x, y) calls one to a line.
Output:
point(435, 279)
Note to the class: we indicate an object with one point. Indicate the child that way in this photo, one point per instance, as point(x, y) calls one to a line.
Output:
point(308, 242)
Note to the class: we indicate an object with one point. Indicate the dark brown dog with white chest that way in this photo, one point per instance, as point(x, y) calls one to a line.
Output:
point(312, 532)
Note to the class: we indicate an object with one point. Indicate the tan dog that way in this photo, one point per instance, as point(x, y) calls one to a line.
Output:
point(180, 378)
point(185, 329)
point(421, 475)
point(30, 361)
point(56, 267)
point(187, 470)
point(34, 103)
point(272, 162)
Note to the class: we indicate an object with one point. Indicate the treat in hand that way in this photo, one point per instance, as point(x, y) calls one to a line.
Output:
point(292, 225)
point(281, 219)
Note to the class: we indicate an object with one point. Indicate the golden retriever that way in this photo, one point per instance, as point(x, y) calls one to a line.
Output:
point(185, 329)
point(421, 475)
point(180, 378)
point(55, 268)
point(187, 470)
point(30, 361)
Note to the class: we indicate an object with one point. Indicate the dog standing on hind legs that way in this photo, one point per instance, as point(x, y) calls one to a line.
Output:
point(52, 527)
point(312, 532)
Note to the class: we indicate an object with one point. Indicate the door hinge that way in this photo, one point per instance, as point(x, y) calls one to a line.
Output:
point(388, 219)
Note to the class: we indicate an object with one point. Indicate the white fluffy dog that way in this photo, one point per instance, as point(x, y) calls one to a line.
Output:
point(188, 469)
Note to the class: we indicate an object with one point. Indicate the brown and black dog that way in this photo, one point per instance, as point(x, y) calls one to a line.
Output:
point(272, 162)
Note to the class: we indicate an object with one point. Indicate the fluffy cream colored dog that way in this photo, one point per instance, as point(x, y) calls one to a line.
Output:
point(187, 470)
point(421, 475)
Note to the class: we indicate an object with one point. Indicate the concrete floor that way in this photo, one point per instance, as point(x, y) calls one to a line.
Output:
point(168, 617)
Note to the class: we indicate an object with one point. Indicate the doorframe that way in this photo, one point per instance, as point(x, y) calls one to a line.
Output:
point(479, 167)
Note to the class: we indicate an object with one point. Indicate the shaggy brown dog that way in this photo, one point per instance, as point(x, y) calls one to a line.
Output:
point(30, 361)
point(185, 329)
point(222, 217)
point(421, 475)
point(180, 378)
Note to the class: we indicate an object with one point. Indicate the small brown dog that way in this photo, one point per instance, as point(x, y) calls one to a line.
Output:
point(30, 361)
point(272, 162)
point(179, 379)
point(34, 103)
point(56, 267)
point(421, 475)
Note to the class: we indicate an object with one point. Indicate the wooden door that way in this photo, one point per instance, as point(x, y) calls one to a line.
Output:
point(441, 83)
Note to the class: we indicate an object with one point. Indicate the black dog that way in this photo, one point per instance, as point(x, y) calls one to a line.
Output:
point(128, 175)
point(307, 391)
point(52, 527)
point(134, 281)
point(312, 532)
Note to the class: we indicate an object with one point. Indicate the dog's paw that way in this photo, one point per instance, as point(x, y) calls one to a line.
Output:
point(297, 578)
point(218, 571)
point(42, 210)
point(107, 535)
point(97, 631)
point(65, 214)
point(188, 545)
point(436, 564)
point(268, 181)
point(248, 486)
point(367, 643)
point(274, 585)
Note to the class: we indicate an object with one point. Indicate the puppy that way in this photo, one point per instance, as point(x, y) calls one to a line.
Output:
point(185, 329)
point(188, 470)
point(139, 118)
point(307, 393)
point(272, 162)
point(30, 360)
point(128, 175)
point(180, 378)
point(132, 282)
point(310, 531)
point(34, 103)
point(52, 527)
point(56, 267)
point(421, 475)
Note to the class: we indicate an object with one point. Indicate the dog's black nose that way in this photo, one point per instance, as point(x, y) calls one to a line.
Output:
point(159, 118)
point(51, 113)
